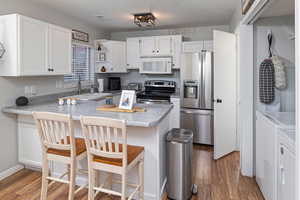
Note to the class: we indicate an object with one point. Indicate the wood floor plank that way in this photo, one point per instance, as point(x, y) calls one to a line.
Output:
point(216, 180)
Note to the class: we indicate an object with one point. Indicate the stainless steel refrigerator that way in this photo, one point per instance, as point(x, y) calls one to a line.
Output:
point(197, 96)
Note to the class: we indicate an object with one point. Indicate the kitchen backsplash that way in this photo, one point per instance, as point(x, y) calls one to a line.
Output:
point(135, 76)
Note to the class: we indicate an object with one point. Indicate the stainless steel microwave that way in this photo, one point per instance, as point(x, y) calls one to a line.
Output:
point(156, 65)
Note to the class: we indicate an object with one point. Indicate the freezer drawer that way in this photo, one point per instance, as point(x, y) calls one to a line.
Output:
point(200, 122)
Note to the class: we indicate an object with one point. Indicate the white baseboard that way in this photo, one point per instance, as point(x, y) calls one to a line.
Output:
point(10, 171)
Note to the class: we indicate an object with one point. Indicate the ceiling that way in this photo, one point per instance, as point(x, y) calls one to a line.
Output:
point(117, 14)
point(280, 8)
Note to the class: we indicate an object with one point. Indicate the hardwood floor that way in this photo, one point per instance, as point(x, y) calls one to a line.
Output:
point(216, 180)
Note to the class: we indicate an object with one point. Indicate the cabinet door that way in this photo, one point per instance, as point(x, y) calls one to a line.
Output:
point(266, 170)
point(133, 53)
point(147, 46)
point(60, 50)
point(29, 146)
point(164, 45)
point(177, 50)
point(118, 61)
point(286, 173)
point(208, 45)
point(192, 47)
point(32, 46)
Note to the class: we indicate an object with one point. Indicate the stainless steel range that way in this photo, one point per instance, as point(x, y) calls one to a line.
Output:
point(156, 91)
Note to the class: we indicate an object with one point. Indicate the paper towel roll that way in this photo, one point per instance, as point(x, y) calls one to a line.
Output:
point(100, 85)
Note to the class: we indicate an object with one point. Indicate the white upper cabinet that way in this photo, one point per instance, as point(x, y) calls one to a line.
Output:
point(177, 51)
point(164, 45)
point(208, 45)
point(33, 47)
point(198, 46)
point(133, 53)
point(114, 57)
point(148, 46)
point(156, 46)
point(60, 50)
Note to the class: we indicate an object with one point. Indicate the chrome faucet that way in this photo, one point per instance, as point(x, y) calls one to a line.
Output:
point(79, 86)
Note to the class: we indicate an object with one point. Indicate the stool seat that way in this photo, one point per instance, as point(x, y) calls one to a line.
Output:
point(132, 153)
point(80, 148)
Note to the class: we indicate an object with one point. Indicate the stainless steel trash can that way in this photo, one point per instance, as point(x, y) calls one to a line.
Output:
point(179, 164)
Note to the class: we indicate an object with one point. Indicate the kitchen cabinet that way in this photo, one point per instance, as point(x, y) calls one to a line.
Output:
point(177, 51)
point(133, 53)
point(208, 45)
point(148, 46)
point(156, 46)
point(34, 47)
point(286, 168)
point(266, 164)
point(198, 46)
point(275, 157)
point(115, 57)
point(59, 43)
point(29, 146)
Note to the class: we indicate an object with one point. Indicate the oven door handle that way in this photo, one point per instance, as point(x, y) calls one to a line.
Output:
point(152, 101)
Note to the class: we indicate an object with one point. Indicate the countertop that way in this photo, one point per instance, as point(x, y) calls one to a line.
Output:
point(154, 114)
point(285, 121)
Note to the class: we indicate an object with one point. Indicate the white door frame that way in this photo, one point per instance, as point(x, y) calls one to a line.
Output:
point(245, 112)
point(297, 66)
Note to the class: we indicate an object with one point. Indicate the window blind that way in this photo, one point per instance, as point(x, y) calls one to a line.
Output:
point(81, 64)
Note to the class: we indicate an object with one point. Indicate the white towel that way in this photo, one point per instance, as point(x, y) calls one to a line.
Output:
point(280, 76)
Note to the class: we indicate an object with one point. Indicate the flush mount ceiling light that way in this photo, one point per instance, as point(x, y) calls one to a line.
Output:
point(144, 19)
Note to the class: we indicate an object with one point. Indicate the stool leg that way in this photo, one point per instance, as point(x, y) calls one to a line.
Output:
point(45, 174)
point(123, 197)
point(110, 181)
point(72, 180)
point(91, 194)
point(141, 179)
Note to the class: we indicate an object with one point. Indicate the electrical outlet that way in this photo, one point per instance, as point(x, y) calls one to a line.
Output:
point(27, 91)
point(33, 90)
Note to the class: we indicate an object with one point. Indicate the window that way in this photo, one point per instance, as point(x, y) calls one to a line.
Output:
point(81, 64)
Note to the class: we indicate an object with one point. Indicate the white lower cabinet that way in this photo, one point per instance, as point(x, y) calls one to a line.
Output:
point(286, 170)
point(30, 151)
point(275, 160)
point(265, 156)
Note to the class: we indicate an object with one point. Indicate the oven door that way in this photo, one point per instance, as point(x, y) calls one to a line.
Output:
point(156, 66)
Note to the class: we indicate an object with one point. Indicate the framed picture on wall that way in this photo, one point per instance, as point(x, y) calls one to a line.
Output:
point(80, 36)
point(127, 99)
point(246, 5)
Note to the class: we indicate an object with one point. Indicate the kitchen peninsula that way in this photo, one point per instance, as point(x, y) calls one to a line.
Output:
point(146, 129)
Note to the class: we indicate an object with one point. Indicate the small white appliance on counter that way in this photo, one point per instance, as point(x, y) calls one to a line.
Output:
point(100, 85)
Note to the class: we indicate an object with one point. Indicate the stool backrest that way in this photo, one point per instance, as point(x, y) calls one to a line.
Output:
point(105, 137)
point(56, 130)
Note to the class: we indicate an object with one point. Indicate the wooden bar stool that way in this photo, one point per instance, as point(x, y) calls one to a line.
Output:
point(59, 144)
point(106, 141)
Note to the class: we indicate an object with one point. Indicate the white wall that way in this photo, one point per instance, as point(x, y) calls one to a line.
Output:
point(189, 34)
point(11, 88)
point(284, 47)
